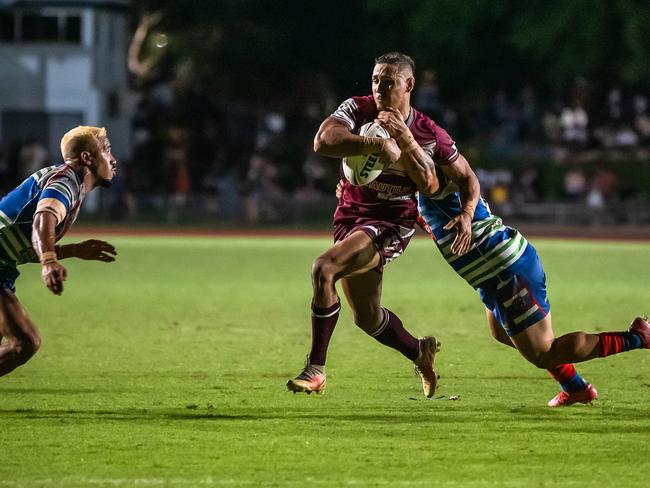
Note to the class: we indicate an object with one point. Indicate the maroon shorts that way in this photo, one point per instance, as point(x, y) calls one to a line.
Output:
point(389, 239)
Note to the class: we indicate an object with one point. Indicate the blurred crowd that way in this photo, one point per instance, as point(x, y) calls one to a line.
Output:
point(244, 162)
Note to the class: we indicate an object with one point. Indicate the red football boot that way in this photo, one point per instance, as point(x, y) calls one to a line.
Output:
point(641, 327)
point(565, 398)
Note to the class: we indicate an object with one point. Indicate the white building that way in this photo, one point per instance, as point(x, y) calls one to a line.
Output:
point(62, 64)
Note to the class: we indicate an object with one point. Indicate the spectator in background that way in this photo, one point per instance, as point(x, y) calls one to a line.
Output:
point(147, 143)
point(575, 184)
point(603, 191)
point(529, 118)
point(505, 116)
point(240, 124)
point(642, 119)
point(615, 105)
point(617, 131)
point(270, 131)
point(315, 173)
point(574, 122)
point(33, 156)
point(428, 95)
point(530, 187)
point(496, 184)
point(176, 169)
point(605, 183)
point(552, 125)
point(264, 199)
point(500, 193)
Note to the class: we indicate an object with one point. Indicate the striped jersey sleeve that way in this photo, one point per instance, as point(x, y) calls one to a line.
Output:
point(346, 112)
point(356, 111)
point(16, 217)
point(64, 186)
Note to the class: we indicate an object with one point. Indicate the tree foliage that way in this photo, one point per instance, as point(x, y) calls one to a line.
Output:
point(246, 47)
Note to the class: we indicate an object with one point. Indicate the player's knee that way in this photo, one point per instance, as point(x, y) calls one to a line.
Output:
point(542, 360)
point(26, 348)
point(323, 271)
point(501, 337)
point(361, 321)
point(495, 334)
point(367, 320)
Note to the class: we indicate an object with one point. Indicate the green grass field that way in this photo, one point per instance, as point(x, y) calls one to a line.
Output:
point(168, 368)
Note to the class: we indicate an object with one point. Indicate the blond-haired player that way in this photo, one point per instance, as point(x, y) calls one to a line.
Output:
point(33, 217)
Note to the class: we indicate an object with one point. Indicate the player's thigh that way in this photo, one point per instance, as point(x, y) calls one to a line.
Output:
point(363, 293)
point(355, 254)
point(496, 329)
point(14, 322)
point(536, 340)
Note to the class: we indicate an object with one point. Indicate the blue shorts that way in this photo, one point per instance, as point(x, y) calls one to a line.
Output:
point(8, 275)
point(520, 300)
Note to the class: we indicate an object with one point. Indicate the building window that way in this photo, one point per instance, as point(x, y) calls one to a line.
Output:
point(40, 28)
point(7, 27)
point(31, 26)
point(72, 28)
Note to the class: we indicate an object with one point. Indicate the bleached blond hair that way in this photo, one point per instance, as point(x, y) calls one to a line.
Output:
point(81, 138)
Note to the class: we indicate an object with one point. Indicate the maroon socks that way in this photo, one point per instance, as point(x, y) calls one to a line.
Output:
point(392, 333)
point(323, 321)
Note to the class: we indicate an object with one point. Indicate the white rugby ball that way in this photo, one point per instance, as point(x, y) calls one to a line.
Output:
point(363, 169)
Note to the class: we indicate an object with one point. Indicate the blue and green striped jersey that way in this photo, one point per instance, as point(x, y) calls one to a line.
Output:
point(17, 209)
point(497, 251)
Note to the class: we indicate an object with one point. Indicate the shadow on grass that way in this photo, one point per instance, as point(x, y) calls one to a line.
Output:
point(578, 419)
point(129, 414)
point(50, 391)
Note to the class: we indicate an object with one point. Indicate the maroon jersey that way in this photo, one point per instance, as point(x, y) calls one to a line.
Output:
point(391, 197)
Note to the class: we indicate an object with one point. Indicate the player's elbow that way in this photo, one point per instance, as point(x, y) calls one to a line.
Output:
point(319, 145)
point(327, 140)
point(323, 142)
point(429, 186)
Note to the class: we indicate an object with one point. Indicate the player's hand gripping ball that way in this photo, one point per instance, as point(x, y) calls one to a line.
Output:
point(363, 169)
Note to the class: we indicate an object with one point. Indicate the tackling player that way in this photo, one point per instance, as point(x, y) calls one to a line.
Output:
point(33, 217)
point(374, 224)
point(508, 274)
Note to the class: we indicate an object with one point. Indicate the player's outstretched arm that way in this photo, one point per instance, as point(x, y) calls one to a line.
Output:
point(463, 176)
point(92, 250)
point(335, 140)
point(43, 239)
